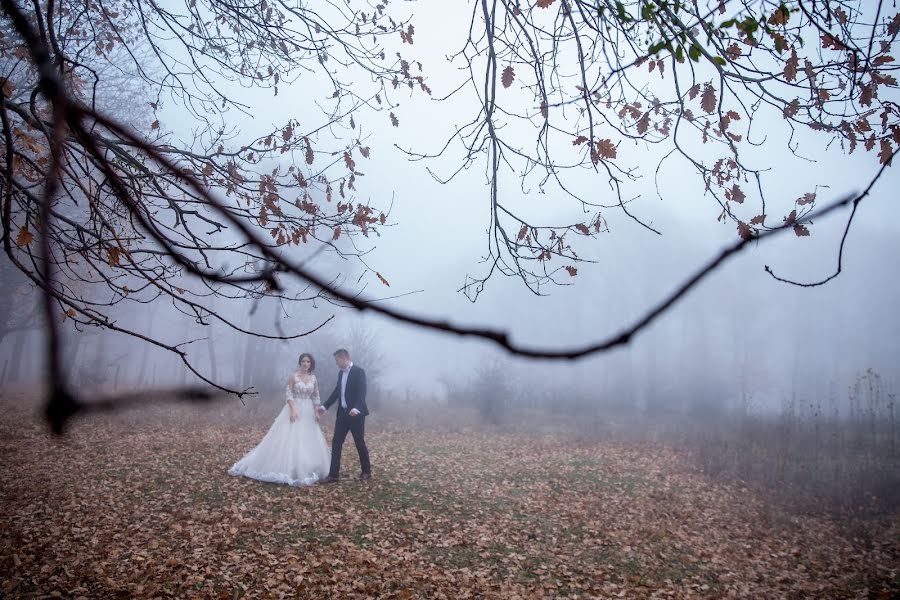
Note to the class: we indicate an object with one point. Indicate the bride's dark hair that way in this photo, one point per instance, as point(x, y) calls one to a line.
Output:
point(312, 361)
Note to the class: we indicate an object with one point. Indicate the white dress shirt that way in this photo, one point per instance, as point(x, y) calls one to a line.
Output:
point(346, 373)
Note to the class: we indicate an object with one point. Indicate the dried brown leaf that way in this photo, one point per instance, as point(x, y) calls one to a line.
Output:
point(791, 110)
point(24, 237)
point(886, 154)
point(708, 100)
point(800, 230)
point(606, 149)
point(791, 66)
point(507, 77)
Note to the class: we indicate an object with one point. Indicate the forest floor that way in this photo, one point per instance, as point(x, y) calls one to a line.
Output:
point(143, 507)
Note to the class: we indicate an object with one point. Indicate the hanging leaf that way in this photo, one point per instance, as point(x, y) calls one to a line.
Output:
point(309, 151)
point(893, 27)
point(572, 271)
point(606, 149)
point(24, 238)
point(394, 120)
point(807, 198)
point(382, 279)
point(708, 100)
point(507, 77)
point(113, 256)
point(780, 16)
point(791, 110)
point(790, 67)
point(694, 52)
point(791, 217)
point(735, 194)
point(544, 3)
point(800, 230)
point(886, 154)
point(337, 233)
point(643, 124)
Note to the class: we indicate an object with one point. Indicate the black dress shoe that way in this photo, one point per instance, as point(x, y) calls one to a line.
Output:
point(330, 479)
point(365, 476)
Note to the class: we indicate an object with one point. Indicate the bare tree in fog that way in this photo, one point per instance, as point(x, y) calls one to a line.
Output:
point(125, 211)
point(567, 86)
point(134, 212)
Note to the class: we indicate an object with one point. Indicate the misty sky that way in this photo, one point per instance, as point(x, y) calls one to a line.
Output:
point(836, 330)
point(784, 334)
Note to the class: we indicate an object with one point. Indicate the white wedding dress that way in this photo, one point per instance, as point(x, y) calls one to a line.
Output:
point(292, 453)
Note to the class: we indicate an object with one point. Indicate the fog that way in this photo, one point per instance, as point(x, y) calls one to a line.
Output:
point(738, 334)
point(743, 444)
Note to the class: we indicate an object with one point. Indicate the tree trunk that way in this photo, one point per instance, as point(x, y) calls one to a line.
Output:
point(139, 379)
point(14, 370)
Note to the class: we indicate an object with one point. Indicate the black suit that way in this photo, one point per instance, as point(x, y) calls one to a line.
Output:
point(355, 396)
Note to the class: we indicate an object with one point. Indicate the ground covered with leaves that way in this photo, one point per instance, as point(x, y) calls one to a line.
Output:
point(143, 507)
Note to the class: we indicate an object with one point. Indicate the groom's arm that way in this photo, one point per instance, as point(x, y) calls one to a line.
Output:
point(333, 397)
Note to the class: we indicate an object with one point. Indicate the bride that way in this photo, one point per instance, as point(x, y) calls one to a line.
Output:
point(293, 451)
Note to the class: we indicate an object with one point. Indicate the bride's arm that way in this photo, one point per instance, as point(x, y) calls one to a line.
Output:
point(316, 400)
point(289, 397)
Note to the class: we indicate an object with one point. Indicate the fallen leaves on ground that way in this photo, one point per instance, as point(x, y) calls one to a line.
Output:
point(143, 508)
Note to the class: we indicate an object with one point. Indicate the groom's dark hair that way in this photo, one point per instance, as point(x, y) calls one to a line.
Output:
point(342, 353)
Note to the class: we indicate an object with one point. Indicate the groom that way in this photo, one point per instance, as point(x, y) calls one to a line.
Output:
point(350, 394)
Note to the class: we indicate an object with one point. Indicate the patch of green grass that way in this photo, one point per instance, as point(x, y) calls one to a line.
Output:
point(211, 497)
point(456, 557)
point(584, 463)
point(677, 570)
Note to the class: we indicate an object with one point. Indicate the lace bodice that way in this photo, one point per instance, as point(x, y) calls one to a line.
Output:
point(297, 390)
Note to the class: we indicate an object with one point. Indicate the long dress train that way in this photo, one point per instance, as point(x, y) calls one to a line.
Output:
point(292, 453)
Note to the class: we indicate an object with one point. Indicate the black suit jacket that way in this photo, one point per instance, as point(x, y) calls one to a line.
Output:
point(355, 393)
